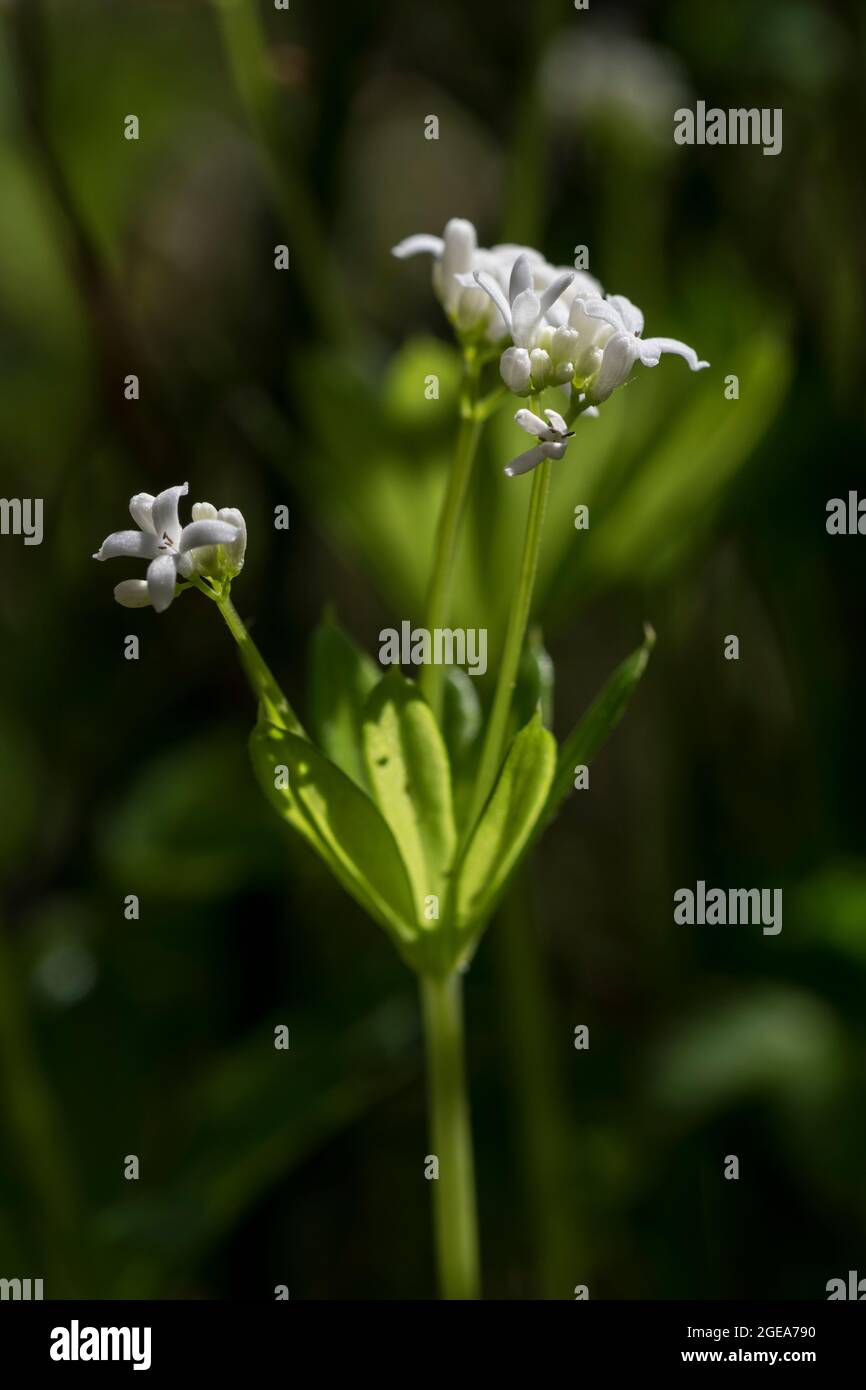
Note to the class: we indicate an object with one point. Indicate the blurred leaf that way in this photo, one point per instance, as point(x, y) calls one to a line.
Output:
point(599, 722)
point(340, 822)
point(667, 503)
point(404, 396)
point(831, 909)
point(257, 1114)
point(407, 765)
point(535, 681)
point(505, 825)
point(165, 832)
point(341, 678)
point(776, 1040)
point(461, 727)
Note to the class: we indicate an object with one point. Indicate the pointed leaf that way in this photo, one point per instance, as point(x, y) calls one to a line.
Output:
point(410, 777)
point(506, 824)
point(341, 678)
point(599, 722)
point(535, 680)
point(340, 822)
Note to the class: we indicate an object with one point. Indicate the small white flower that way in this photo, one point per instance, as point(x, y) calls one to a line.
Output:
point(456, 256)
point(620, 344)
point(523, 312)
point(224, 561)
point(553, 433)
point(169, 547)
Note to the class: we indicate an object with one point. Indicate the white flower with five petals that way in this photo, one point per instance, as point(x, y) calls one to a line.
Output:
point(171, 549)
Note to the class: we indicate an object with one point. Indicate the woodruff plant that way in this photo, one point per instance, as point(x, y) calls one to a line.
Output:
point(419, 813)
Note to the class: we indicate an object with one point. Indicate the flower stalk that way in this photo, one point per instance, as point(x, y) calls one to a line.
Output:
point(518, 618)
point(456, 1222)
point(450, 520)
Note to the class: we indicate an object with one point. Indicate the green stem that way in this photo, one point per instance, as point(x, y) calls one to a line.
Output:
point(246, 50)
point(454, 1195)
point(263, 682)
point(450, 520)
point(497, 726)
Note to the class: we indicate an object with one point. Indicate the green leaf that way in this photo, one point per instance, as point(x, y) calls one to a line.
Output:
point(506, 824)
point(340, 822)
point(535, 680)
point(599, 722)
point(461, 726)
point(407, 765)
point(461, 714)
point(341, 678)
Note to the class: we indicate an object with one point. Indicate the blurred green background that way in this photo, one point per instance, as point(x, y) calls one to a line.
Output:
point(306, 388)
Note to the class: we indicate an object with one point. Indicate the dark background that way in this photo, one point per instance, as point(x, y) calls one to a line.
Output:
point(305, 388)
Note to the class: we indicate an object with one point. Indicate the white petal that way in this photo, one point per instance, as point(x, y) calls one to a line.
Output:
point(161, 579)
point(619, 356)
point(521, 277)
point(238, 548)
point(132, 593)
point(525, 314)
point(497, 294)
point(657, 346)
point(417, 246)
point(553, 291)
point(524, 463)
point(165, 518)
point(514, 368)
point(530, 422)
point(460, 245)
point(557, 421)
point(631, 316)
point(140, 545)
point(199, 533)
point(601, 309)
point(203, 511)
point(141, 509)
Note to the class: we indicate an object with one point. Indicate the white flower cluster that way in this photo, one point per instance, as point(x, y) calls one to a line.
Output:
point(211, 545)
point(555, 325)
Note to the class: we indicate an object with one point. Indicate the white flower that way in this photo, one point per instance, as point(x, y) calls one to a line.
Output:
point(617, 344)
point(169, 547)
point(456, 256)
point(526, 365)
point(226, 560)
point(553, 433)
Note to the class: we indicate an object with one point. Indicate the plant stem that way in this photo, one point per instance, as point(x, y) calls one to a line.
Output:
point(454, 1196)
point(497, 726)
point(450, 520)
point(258, 673)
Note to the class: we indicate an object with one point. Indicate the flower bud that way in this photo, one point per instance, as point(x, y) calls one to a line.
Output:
point(514, 368)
